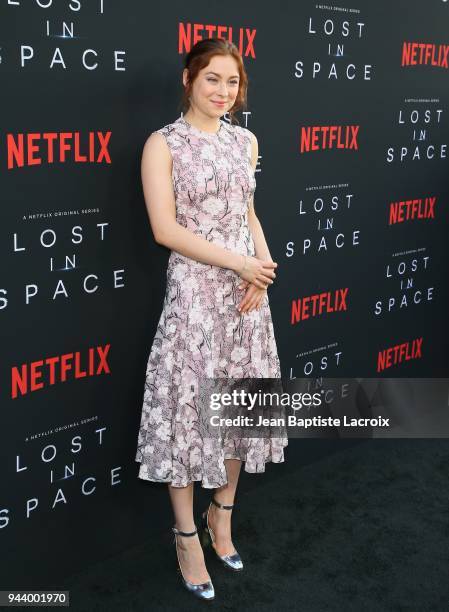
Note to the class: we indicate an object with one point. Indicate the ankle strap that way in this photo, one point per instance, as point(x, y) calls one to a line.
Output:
point(184, 533)
point(228, 507)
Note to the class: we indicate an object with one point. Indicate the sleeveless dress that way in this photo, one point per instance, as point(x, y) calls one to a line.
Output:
point(200, 331)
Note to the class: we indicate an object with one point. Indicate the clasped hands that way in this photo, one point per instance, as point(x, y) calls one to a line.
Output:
point(256, 275)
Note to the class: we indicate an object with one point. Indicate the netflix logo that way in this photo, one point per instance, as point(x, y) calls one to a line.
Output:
point(424, 54)
point(399, 353)
point(409, 210)
point(34, 148)
point(320, 137)
point(318, 304)
point(190, 33)
point(26, 378)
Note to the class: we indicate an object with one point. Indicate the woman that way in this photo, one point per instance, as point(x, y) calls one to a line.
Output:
point(198, 181)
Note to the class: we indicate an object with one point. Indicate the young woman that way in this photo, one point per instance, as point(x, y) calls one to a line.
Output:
point(198, 181)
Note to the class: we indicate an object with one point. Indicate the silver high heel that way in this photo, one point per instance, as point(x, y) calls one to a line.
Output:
point(204, 590)
point(233, 561)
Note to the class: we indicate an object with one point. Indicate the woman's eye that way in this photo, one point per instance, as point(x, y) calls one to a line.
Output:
point(215, 80)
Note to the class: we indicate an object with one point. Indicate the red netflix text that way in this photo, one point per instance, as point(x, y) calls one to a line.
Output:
point(318, 303)
point(397, 354)
point(27, 377)
point(35, 148)
point(190, 33)
point(414, 54)
point(319, 137)
point(408, 210)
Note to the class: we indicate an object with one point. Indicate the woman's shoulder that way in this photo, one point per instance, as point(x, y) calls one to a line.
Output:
point(177, 128)
point(169, 128)
point(237, 127)
point(242, 133)
point(161, 139)
point(167, 135)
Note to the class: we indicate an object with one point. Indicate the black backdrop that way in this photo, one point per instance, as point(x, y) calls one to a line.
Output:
point(82, 276)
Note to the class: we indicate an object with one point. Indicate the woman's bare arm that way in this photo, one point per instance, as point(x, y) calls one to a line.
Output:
point(156, 168)
point(160, 202)
point(260, 244)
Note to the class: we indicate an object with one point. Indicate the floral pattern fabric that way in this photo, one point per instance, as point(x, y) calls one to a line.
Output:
point(200, 332)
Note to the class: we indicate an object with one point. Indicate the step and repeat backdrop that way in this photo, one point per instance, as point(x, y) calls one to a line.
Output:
point(349, 103)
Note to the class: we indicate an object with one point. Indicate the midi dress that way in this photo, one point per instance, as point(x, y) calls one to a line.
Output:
point(200, 332)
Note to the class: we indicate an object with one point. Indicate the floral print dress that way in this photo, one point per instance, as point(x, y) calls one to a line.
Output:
point(200, 332)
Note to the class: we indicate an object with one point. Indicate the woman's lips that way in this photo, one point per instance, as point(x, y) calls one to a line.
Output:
point(218, 103)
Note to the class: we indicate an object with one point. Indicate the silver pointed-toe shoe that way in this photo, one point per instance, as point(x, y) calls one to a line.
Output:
point(205, 590)
point(232, 561)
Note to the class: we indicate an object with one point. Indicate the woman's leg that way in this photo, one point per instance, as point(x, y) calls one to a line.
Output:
point(190, 552)
point(220, 519)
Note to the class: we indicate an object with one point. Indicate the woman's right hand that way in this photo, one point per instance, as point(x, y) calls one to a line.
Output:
point(257, 271)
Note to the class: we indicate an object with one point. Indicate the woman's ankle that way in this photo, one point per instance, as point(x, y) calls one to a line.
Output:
point(225, 498)
point(188, 543)
point(186, 527)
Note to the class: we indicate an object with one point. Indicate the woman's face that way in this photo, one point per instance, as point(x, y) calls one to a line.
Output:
point(216, 87)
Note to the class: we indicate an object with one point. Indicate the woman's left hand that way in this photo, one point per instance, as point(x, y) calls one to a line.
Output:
point(253, 297)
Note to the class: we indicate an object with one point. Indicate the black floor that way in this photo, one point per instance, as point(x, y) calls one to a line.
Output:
point(363, 529)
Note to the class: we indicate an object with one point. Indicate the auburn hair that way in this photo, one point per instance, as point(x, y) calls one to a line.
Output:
point(199, 57)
